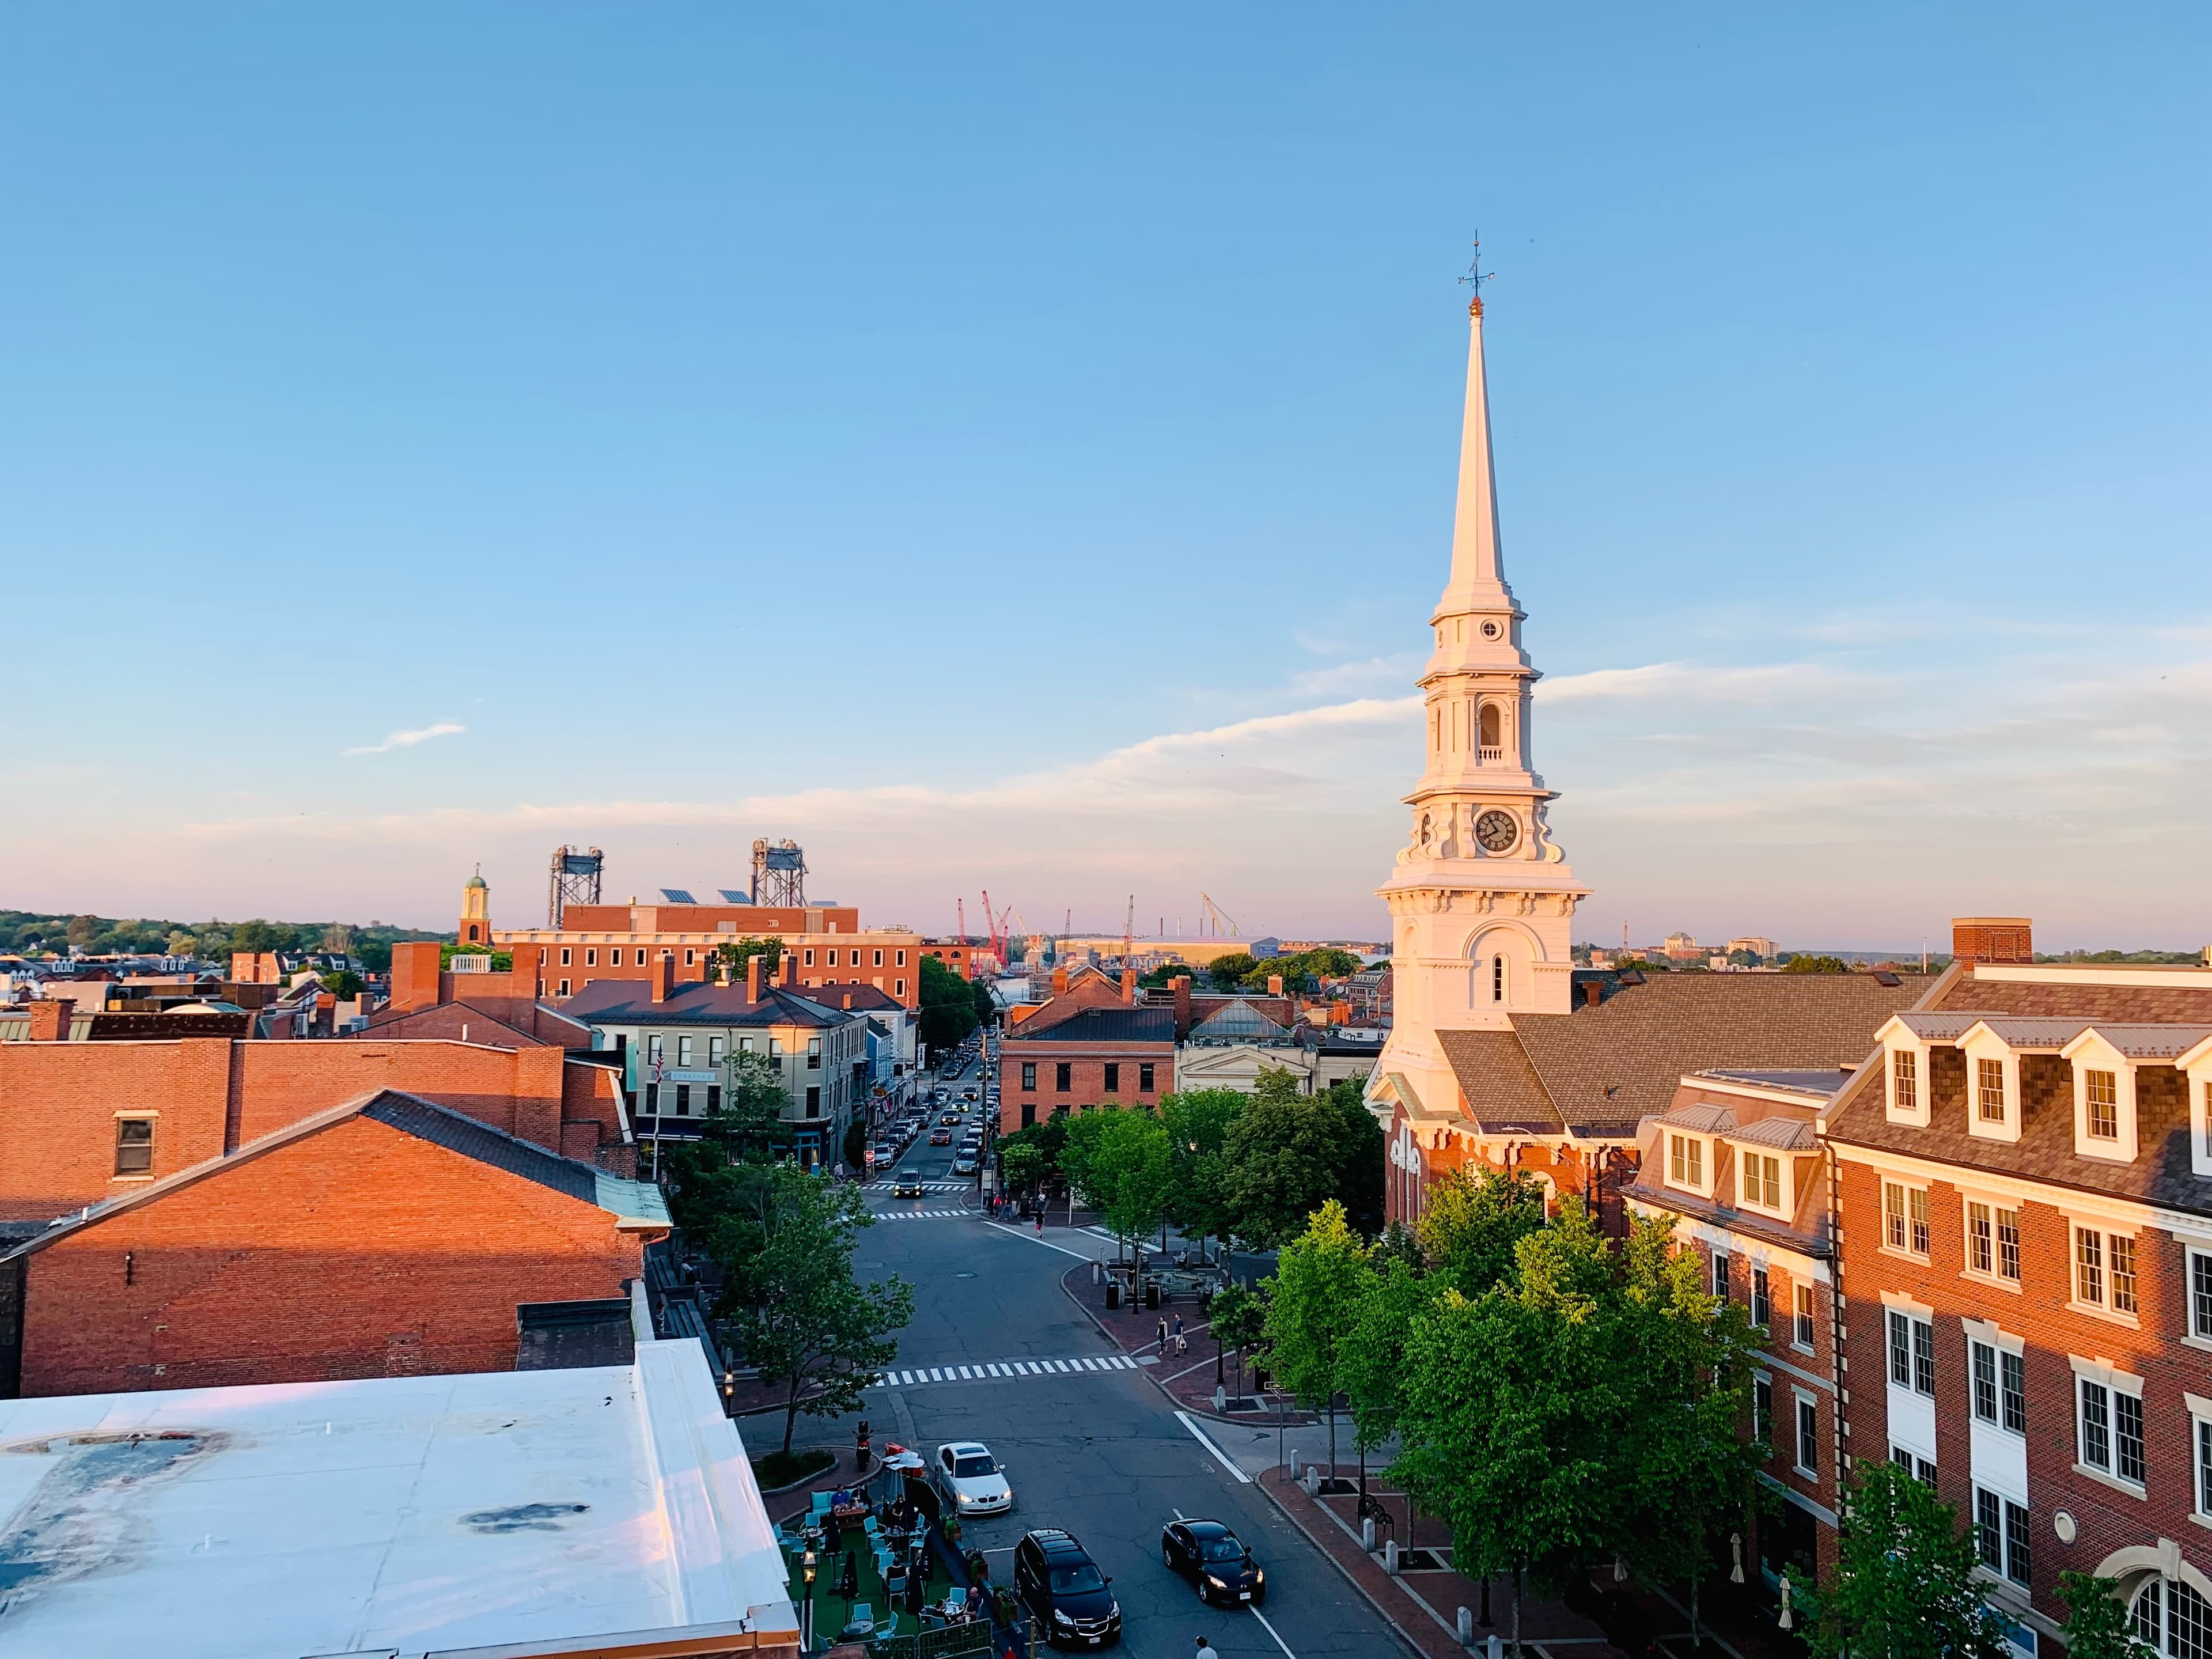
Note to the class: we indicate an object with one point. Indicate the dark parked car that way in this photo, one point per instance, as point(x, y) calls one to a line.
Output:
point(1215, 1560)
point(1061, 1585)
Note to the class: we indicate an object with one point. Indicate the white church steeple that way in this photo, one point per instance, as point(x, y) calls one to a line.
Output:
point(1481, 901)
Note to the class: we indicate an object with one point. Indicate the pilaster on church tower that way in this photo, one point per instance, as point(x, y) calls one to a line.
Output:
point(1482, 900)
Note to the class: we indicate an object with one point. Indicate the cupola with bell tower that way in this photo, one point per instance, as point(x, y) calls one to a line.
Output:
point(476, 912)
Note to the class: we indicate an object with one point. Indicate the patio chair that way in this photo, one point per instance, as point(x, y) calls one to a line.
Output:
point(817, 1505)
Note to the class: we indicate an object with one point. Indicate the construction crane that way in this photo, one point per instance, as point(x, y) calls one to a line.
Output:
point(994, 927)
point(1218, 915)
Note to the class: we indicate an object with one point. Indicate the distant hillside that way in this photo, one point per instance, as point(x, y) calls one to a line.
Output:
point(27, 933)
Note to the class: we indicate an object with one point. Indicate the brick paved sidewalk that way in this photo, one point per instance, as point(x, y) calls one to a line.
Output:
point(1187, 1376)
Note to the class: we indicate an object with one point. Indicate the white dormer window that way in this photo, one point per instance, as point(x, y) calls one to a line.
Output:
point(1761, 1183)
point(1686, 1160)
point(1908, 1081)
point(1993, 1094)
point(2197, 1064)
point(2104, 1099)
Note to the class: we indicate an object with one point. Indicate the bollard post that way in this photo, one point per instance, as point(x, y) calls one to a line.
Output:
point(1466, 1627)
point(1497, 1647)
point(1220, 1397)
point(1367, 1534)
point(1390, 1557)
point(1098, 1273)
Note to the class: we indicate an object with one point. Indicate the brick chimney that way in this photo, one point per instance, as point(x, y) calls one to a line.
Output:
point(788, 969)
point(848, 1002)
point(50, 1020)
point(662, 976)
point(1593, 992)
point(415, 975)
point(1059, 981)
point(1180, 983)
point(1128, 985)
point(753, 966)
point(1274, 985)
point(1992, 939)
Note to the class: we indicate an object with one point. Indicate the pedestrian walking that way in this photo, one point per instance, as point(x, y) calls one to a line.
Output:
point(1160, 1336)
point(1180, 1345)
point(1040, 1221)
point(1204, 1650)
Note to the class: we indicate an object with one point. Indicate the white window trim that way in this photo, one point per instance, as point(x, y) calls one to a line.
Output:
point(1968, 1197)
point(1905, 1252)
point(2200, 1499)
point(1913, 1116)
point(1788, 1168)
point(2103, 1311)
point(1703, 1187)
point(2115, 1382)
point(1795, 1285)
point(2189, 1257)
point(2088, 1052)
point(2199, 1071)
point(1799, 1399)
point(1979, 1044)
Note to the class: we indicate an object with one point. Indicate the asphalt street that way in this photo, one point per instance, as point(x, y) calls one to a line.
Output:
point(1093, 1448)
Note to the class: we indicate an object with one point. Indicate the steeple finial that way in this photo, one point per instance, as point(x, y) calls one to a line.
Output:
point(1477, 569)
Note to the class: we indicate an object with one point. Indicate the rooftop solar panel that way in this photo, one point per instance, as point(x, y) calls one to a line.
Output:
point(678, 896)
point(735, 896)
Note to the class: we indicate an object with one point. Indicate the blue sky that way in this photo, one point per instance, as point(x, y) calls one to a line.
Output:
point(1013, 447)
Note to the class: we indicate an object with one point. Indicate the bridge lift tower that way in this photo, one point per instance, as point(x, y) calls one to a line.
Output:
point(575, 881)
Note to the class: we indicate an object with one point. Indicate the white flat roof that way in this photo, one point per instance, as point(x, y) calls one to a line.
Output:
point(407, 1513)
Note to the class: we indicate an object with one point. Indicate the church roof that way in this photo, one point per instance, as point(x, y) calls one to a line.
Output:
point(1596, 1072)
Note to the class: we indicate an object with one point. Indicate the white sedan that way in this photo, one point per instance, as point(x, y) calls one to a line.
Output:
point(971, 1479)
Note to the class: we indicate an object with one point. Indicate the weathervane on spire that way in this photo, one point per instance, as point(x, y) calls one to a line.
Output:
point(1475, 277)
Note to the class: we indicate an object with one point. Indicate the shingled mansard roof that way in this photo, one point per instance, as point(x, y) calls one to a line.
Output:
point(1595, 1072)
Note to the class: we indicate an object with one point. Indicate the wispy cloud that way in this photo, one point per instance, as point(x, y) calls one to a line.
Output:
point(1686, 683)
point(408, 739)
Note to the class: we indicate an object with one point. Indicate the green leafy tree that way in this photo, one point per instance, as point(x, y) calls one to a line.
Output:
point(1239, 1320)
point(1904, 1585)
point(2098, 1623)
point(1281, 1162)
point(1228, 972)
point(979, 996)
point(1816, 965)
point(793, 1308)
point(1357, 1143)
point(855, 1147)
point(1321, 1284)
point(1021, 1164)
point(734, 955)
point(1472, 1222)
point(948, 1007)
point(1377, 1358)
point(752, 1123)
point(1048, 1137)
point(1118, 1161)
point(1198, 1121)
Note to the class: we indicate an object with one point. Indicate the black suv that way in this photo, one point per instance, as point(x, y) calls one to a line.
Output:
point(1061, 1585)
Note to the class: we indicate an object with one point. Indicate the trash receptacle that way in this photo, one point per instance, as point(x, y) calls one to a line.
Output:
point(1152, 1293)
point(1113, 1294)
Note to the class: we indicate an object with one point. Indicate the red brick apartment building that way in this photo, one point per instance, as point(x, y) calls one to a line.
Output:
point(229, 1174)
point(2024, 1194)
point(1736, 1161)
point(1088, 1043)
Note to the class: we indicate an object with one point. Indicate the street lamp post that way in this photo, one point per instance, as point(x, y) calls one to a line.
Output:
point(807, 1615)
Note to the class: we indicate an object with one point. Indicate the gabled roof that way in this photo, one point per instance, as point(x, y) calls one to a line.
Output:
point(635, 1205)
point(1239, 1021)
point(866, 998)
point(1598, 1071)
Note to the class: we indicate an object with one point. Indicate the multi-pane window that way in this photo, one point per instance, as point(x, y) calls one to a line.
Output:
point(1762, 1307)
point(1905, 1217)
point(1920, 1468)
point(134, 1145)
point(1063, 1077)
point(2127, 1437)
point(1029, 1074)
point(2120, 1252)
point(1905, 1076)
point(1761, 1179)
point(1144, 1075)
point(1809, 1436)
point(2001, 1535)
point(1911, 1352)
point(1762, 1409)
point(714, 1050)
point(1981, 1239)
point(2012, 1388)
point(2203, 1426)
point(1990, 1089)
point(1721, 1274)
point(1113, 1077)
point(1686, 1160)
point(1802, 1325)
point(2093, 1424)
point(684, 1051)
point(2100, 1095)
point(652, 1047)
point(1984, 1358)
point(2089, 1266)
point(814, 1054)
point(2200, 1294)
point(2008, 1245)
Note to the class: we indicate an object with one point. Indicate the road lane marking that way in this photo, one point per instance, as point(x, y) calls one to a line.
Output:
point(1023, 1232)
point(1219, 1456)
point(1273, 1631)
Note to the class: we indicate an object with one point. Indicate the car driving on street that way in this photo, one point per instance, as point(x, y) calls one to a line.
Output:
point(1060, 1583)
point(971, 1479)
point(1215, 1560)
point(907, 1186)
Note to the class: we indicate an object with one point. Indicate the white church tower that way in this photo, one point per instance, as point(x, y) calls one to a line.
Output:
point(1481, 903)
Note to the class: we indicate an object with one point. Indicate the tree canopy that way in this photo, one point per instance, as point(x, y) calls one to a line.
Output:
point(948, 1007)
point(1904, 1585)
point(1321, 1284)
point(1287, 1153)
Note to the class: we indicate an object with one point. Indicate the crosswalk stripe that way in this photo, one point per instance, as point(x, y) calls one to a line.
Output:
point(1004, 1370)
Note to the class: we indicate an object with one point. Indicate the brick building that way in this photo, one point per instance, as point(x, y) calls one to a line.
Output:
point(1736, 1162)
point(2024, 1193)
point(1562, 1095)
point(387, 1236)
point(1089, 1043)
point(85, 1122)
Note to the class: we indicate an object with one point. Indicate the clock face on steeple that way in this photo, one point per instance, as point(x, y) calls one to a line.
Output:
point(1497, 831)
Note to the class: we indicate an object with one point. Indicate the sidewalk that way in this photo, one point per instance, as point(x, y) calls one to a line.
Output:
point(1188, 1377)
point(1424, 1599)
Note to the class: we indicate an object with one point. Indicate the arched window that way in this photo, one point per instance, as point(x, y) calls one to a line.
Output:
point(1490, 729)
point(2174, 1619)
point(1497, 979)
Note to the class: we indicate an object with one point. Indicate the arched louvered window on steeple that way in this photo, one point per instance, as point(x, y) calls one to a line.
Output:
point(1492, 743)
